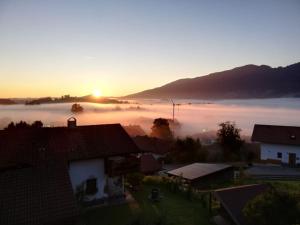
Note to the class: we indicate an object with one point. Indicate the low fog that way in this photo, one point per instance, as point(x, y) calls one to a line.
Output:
point(194, 116)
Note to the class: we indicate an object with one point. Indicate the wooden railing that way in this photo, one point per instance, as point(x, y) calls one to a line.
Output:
point(122, 166)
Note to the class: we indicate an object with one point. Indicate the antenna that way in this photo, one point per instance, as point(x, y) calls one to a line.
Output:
point(173, 109)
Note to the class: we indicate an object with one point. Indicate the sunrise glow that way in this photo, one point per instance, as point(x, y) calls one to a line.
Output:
point(97, 93)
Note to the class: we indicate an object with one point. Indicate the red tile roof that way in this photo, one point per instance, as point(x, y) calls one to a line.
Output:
point(285, 135)
point(234, 199)
point(32, 145)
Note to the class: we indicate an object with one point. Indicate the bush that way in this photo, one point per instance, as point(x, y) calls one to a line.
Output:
point(273, 207)
point(135, 179)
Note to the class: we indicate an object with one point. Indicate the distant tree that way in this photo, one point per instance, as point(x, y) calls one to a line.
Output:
point(273, 207)
point(37, 124)
point(76, 108)
point(229, 138)
point(22, 124)
point(187, 150)
point(161, 129)
point(10, 126)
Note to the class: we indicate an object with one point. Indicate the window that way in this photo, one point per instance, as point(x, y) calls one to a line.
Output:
point(91, 186)
point(279, 155)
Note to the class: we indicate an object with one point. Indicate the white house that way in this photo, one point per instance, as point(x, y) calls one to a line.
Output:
point(279, 144)
point(99, 158)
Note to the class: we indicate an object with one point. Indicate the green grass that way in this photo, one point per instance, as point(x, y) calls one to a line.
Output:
point(173, 209)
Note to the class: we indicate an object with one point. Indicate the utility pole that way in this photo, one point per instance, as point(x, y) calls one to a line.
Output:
point(173, 110)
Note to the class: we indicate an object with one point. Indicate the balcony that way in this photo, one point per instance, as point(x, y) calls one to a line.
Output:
point(117, 166)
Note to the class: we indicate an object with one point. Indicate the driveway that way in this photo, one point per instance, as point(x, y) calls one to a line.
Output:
point(272, 170)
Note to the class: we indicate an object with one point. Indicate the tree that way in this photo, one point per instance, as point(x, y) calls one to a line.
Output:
point(230, 139)
point(37, 124)
point(188, 150)
point(273, 207)
point(10, 126)
point(23, 124)
point(161, 129)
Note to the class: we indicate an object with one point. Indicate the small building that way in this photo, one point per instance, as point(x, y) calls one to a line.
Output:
point(279, 144)
point(201, 175)
point(159, 148)
point(45, 172)
point(148, 164)
point(233, 200)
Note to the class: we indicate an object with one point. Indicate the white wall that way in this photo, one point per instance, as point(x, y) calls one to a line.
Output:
point(80, 171)
point(269, 151)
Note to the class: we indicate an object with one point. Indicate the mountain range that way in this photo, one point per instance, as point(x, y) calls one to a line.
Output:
point(249, 81)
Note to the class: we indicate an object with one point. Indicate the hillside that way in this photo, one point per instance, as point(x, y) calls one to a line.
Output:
point(250, 81)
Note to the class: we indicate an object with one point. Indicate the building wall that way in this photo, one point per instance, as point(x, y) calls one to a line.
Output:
point(214, 178)
point(80, 171)
point(269, 151)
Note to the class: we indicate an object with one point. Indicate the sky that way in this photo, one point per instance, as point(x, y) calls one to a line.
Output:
point(57, 47)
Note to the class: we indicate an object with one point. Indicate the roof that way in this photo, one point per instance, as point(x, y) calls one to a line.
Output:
point(40, 195)
point(34, 180)
point(197, 170)
point(285, 135)
point(153, 144)
point(234, 199)
point(82, 142)
point(149, 164)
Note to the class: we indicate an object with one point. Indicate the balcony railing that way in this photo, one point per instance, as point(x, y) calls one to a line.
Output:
point(122, 166)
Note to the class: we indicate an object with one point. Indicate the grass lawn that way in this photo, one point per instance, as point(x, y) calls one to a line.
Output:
point(173, 209)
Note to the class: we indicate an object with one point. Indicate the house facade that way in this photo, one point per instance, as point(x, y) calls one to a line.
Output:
point(85, 164)
point(278, 144)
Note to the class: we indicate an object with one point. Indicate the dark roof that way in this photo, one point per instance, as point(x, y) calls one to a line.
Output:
point(197, 170)
point(153, 144)
point(34, 181)
point(149, 164)
point(286, 135)
point(82, 142)
point(134, 130)
point(234, 199)
point(37, 195)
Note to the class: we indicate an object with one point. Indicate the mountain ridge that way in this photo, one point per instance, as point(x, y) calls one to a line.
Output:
point(249, 81)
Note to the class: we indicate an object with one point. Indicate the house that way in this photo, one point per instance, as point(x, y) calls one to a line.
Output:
point(148, 164)
point(201, 175)
point(154, 151)
point(233, 200)
point(159, 148)
point(279, 144)
point(44, 172)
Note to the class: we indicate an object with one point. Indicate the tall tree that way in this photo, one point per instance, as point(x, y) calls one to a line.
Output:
point(230, 139)
point(161, 129)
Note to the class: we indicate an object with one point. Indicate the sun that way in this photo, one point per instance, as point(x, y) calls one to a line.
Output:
point(97, 93)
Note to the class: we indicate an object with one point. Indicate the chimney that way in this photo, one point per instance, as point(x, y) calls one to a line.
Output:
point(72, 122)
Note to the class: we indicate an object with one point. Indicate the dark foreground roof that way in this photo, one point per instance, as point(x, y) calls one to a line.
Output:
point(286, 135)
point(234, 199)
point(37, 196)
point(197, 170)
point(82, 142)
